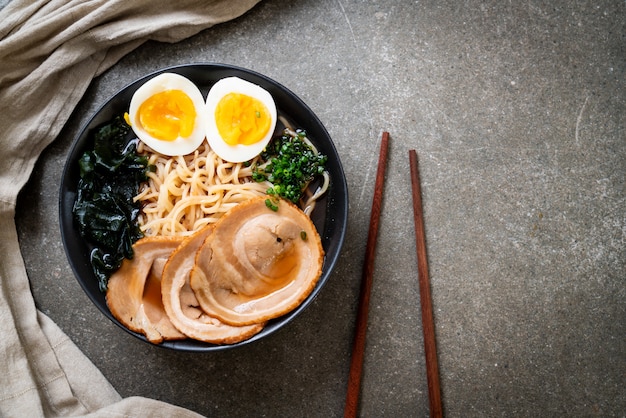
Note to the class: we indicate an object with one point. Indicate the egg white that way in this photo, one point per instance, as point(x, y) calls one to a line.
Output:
point(162, 82)
point(236, 153)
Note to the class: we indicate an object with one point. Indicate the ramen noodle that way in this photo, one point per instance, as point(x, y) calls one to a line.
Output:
point(185, 193)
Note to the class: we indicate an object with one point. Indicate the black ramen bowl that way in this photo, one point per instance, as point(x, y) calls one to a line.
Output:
point(330, 215)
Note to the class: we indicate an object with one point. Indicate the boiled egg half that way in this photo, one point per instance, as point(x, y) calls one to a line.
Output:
point(167, 114)
point(240, 119)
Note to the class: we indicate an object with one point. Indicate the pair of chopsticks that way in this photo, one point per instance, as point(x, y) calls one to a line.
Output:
point(358, 348)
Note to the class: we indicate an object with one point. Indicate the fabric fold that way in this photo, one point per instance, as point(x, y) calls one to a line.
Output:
point(49, 53)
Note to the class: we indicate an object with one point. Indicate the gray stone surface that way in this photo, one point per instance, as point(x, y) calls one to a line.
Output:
point(516, 110)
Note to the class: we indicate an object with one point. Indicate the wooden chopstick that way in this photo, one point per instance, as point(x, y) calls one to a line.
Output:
point(428, 324)
point(358, 347)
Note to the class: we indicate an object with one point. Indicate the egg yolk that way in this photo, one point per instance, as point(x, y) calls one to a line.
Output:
point(241, 119)
point(168, 115)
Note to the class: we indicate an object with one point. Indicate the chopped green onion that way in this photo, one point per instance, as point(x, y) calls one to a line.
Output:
point(292, 164)
point(270, 204)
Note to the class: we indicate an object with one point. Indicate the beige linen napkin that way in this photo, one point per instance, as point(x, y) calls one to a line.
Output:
point(49, 53)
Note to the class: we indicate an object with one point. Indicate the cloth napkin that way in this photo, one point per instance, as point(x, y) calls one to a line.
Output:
point(49, 53)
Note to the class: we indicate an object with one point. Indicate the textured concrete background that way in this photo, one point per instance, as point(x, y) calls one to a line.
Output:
point(517, 111)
